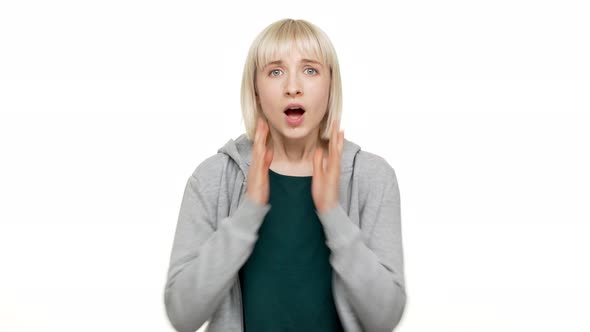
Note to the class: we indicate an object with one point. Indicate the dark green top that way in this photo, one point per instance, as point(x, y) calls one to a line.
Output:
point(287, 280)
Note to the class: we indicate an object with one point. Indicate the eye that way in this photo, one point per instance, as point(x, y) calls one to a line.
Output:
point(272, 72)
point(313, 71)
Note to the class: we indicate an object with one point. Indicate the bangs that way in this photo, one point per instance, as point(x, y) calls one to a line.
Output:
point(278, 43)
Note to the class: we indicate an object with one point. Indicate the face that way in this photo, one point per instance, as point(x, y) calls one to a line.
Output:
point(294, 79)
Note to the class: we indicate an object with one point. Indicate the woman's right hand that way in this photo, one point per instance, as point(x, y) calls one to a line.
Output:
point(257, 186)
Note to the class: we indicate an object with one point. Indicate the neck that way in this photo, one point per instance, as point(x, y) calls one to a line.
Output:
point(296, 152)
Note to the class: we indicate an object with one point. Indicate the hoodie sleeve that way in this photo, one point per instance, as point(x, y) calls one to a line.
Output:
point(371, 271)
point(204, 260)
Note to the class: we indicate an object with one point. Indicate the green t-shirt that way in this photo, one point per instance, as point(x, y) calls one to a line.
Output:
point(287, 280)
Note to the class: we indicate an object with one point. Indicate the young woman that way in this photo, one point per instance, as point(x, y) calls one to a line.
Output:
point(289, 227)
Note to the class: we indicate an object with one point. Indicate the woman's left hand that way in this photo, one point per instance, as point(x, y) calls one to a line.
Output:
point(325, 185)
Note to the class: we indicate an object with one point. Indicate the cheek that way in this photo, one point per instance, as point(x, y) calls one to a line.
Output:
point(266, 99)
point(268, 92)
point(322, 92)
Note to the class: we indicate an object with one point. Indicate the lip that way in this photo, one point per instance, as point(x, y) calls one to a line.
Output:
point(294, 122)
point(293, 105)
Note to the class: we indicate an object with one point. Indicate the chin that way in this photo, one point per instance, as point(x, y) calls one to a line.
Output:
point(296, 133)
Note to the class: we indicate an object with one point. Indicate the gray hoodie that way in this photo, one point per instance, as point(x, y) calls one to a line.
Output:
point(217, 230)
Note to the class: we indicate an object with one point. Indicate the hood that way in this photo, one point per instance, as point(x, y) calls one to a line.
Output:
point(240, 151)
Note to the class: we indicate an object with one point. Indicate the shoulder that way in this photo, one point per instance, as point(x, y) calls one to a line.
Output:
point(210, 170)
point(374, 175)
point(371, 166)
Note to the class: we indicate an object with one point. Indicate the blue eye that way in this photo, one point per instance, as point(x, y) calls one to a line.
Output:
point(314, 71)
point(273, 71)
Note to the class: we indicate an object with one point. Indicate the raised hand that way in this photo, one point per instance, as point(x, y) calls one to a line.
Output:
point(325, 184)
point(257, 186)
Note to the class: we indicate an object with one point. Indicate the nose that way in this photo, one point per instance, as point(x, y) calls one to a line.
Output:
point(293, 86)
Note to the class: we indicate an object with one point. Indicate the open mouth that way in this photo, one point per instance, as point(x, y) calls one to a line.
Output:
point(294, 112)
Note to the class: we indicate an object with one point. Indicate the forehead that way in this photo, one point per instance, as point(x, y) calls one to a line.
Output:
point(281, 52)
point(297, 60)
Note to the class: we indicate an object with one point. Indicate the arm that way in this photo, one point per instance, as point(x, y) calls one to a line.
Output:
point(372, 272)
point(204, 260)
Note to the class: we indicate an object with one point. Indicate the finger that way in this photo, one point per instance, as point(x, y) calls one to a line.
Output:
point(331, 142)
point(338, 155)
point(333, 135)
point(258, 147)
point(340, 145)
point(268, 135)
point(334, 159)
point(264, 132)
point(257, 131)
point(317, 162)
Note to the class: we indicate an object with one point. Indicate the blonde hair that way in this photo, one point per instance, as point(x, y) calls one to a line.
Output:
point(277, 40)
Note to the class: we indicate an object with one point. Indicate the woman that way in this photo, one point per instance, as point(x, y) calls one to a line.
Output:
point(289, 227)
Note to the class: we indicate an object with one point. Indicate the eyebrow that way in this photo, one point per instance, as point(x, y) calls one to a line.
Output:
point(278, 62)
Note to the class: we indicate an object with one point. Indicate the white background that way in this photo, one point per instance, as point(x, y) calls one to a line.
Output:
point(481, 108)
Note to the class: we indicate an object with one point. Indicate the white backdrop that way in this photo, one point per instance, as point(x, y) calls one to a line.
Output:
point(481, 108)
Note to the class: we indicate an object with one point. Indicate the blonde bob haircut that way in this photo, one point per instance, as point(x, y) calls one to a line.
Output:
point(274, 42)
